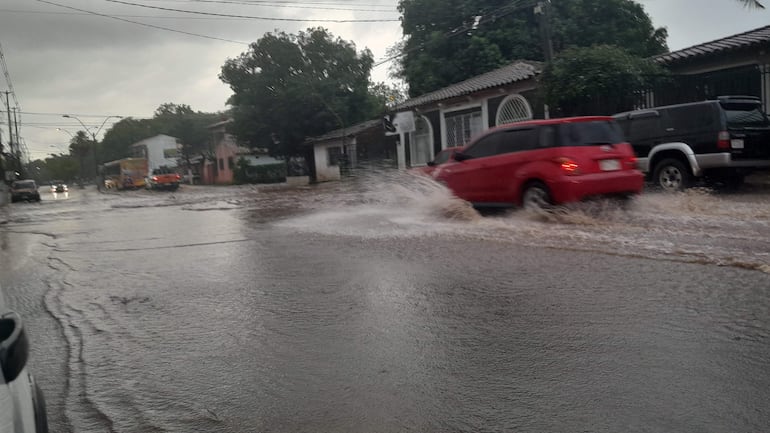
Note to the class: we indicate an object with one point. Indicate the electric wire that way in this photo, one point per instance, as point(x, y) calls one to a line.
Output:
point(145, 24)
point(253, 17)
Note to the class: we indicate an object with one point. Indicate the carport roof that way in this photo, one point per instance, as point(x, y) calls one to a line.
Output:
point(350, 131)
point(747, 39)
point(517, 71)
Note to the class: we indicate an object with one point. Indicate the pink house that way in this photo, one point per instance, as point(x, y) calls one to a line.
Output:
point(227, 152)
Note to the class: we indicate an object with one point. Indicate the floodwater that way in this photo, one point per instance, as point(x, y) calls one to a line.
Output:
point(384, 305)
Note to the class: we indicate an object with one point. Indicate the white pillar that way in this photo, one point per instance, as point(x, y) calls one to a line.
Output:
point(3, 193)
point(401, 151)
point(765, 71)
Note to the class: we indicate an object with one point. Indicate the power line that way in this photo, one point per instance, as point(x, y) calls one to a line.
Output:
point(251, 16)
point(272, 2)
point(82, 115)
point(144, 24)
point(295, 5)
point(8, 78)
point(160, 17)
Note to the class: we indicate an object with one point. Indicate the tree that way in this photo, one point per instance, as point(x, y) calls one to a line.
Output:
point(81, 146)
point(447, 41)
point(594, 79)
point(289, 87)
point(752, 4)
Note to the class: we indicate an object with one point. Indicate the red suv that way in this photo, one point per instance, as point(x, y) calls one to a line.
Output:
point(541, 162)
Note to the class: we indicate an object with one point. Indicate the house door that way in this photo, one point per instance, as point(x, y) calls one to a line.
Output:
point(421, 149)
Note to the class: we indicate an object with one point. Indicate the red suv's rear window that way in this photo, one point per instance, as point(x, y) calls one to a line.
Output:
point(591, 133)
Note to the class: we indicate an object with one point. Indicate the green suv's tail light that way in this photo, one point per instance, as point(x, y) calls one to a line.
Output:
point(723, 140)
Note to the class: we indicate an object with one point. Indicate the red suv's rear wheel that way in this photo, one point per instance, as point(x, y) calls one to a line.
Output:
point(535, 196)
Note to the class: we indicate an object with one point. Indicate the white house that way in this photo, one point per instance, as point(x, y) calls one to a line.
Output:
point(160, 150)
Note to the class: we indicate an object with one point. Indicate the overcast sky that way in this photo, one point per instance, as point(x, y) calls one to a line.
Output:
point(64, 61)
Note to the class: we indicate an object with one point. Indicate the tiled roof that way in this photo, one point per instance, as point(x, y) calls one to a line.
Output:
point(350, 131)
point(517, 71)
point(741, 40)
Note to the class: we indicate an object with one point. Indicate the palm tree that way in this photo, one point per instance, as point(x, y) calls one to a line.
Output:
point(752, 4)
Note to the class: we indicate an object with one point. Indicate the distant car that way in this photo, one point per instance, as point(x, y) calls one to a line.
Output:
point(441, 158)
point(59, 187)
point(543, 162)
point(24, 190)
point(163, 178)
point(22, 406)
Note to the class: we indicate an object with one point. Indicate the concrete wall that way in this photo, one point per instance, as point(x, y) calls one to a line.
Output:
point(156, 147)
point(325, 172)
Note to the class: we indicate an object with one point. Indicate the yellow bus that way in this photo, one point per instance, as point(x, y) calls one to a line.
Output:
point(126, 173)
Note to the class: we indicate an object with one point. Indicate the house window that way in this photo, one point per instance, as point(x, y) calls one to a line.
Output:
point(221, 164)
point(421, 149)
point(514, 108)
point(334, 154)
point(462, 126)
point(230, 162)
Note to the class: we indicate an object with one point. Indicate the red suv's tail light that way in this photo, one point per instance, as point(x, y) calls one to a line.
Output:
point(723, 140)
point(178, 177)
point(155, 178)
point(568, 166)
point(631, 162)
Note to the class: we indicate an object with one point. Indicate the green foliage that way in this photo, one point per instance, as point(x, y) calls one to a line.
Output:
point(578, 78)
point(178, 121)
point(267, 173)
point(62, 167)
point(442, 48)
point(386, 96)
point(288, 87)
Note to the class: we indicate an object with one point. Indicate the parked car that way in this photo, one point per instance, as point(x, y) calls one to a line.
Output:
point(720, 140)
point(441, 158)
point(542, 162)
point(24, 190)
point(22, 406)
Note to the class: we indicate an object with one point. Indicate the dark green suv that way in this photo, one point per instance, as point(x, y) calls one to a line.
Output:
point(718, 140)
point(24, 190)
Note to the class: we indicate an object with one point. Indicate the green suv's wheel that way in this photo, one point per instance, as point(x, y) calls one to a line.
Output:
point(672, 175)
point(535, 196)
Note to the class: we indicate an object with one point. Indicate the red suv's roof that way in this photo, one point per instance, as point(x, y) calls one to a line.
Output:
point(556, 121)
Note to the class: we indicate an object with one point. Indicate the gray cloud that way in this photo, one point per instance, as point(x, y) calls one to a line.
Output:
point(73, 63)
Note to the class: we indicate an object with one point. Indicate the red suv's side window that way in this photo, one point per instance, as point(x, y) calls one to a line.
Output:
point(517, 140)
point(486, 146)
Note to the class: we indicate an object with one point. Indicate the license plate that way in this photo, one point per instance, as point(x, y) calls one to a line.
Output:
point(736, 143)
point(609, 164)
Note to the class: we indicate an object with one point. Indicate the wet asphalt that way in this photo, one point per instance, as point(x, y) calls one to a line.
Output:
point(383, 305)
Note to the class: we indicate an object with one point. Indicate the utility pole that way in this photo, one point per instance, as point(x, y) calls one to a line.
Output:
point(10, 125)
point(19, 164)
point(542, 10)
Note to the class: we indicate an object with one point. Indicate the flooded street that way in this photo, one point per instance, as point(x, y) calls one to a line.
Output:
point(384, 305)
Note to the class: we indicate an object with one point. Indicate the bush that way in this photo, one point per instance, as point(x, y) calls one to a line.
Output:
point(268, 173)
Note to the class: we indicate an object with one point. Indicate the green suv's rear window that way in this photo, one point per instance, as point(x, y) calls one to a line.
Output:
point(745, 115)
point(24, 185)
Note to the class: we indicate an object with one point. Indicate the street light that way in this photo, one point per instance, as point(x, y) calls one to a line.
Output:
point(93, 143)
